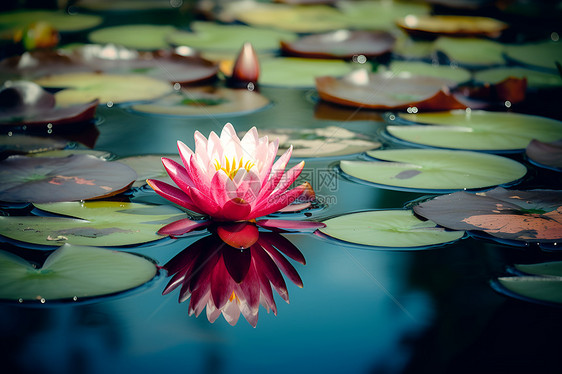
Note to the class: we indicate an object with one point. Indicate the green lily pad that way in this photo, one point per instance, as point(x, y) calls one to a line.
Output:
point(62, 21)
point(553, 268)
point(476, 130)
point(535, 78)
point(410, 48)
point(149, 167)
point(299, 72)
point(437, 170)
point(114, 88)
point(144, 37)
point(452, 25)
point(453, 73)
point(96, 223)
point(214, 36)
point(22, 144)
point(543, 54)
point(379, 14)
point(68, 152)
point(388, 228)
point(53, 179)
point(471, 51)
point(546, 289)
point(72, 272)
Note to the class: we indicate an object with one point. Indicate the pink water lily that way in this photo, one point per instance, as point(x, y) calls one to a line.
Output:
point(230, 179)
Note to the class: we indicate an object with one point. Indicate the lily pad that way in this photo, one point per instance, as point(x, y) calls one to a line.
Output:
point(114, 88)
point(68, 152)
point(451, 72)
point(436, 170)
point(52, 179)
point(388, 228)
point(535, 78)
point(553, 268)
point(96, 223)
point(527, 216)
point(327, 141)
point(543, 289)
point(452, 25)
point(340, 44)
point(63, 21)
point(476, 130)
point(72, 272)
point(471, 51)
point(149, 167)
point(388, 91)
point(143, 37)
point(299, 72)
point(545, 154)
point(543, 54)
point(23, 144)
point(214, 36)
point(206, 101)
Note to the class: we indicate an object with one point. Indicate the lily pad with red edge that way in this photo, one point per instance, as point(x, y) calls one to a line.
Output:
point(210, 36)
point(143, 37)
point(72, 273)
point(474, 130)
point(25, 103)
point(526, 216)
point(535, 78)
point(115, 88)
point(95, 223)
point(434, 170)
point(205, 101)
point(329, 141)
point(545, 154)
point(149, 167)
point(471, 51)
point(388, 91)
point(398, 229)
point(451, 25)
point(543, 54)
point(52, 179)
point(340, 44)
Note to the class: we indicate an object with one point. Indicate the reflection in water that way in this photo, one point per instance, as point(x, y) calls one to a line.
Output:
point(232, 281)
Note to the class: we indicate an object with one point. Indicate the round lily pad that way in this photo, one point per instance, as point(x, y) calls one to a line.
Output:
point(379, 14)
point(144, 37)
point(51, 179)
point(542, 54)
point(542, 289)
point(430, 25)
point(388, 91)
point(535, 78)
point(62, 21)
point(476, 130)
point(72, 272)
point(97, 223)
point(553, 268)
point(22, 144)
point(410, 48)
point(388, 228)
point(451, 72)
point(214, 36)
point(114, 88)
point(149, 167)
point(299, 72)
point(205, 101)
point(327, 141)
point(340, 44)
point(524, 216)
point(436, 170)
point(471, 51)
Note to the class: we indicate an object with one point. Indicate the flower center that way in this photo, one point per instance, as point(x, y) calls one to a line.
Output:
point(232, 167)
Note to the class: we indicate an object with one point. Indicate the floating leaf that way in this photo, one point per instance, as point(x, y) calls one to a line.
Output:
point(431, 25)
point(439, 170)
point(149, 167)
point(72, 272)
point(388, 228)
point(18, 19)
point(476, 130)
point(453, 73)
point(340, 44)
point(528, 216)
point(545, 154)
point(388, 91)
point(299, 72)
point(97, 223)
point(144, 37)
point(546, 289)
point(84, 87)
point(535, 78)
point(543, 54)
point(471, 51)
point(378, 14)
point(410, 48)
point(22, 144)
point(545, 268)
point(51, 179)
point(206, 101)
point(214, 36)
point(68, 152)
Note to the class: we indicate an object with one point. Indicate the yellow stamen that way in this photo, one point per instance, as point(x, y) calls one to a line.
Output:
point(232, 167)
point(232, 297)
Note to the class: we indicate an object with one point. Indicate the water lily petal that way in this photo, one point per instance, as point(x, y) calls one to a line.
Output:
point(178, 174)
point(266, 295)
point(266, 265)
point(231, 312)
point(277, 171)
point(239, 235)
point(284, 245)
point(249, 289)
point(182, 226)
point(185, 152)
point(282, 263)
point(237, 262)
point(222, 284)
point(221, 190)
point(273, 203)
point(289, 177)
point(235, 210)
point(173, 194)
point(248, 185)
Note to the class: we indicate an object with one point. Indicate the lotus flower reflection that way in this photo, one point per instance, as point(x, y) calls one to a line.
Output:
point(230, 281)
point(232, 180)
